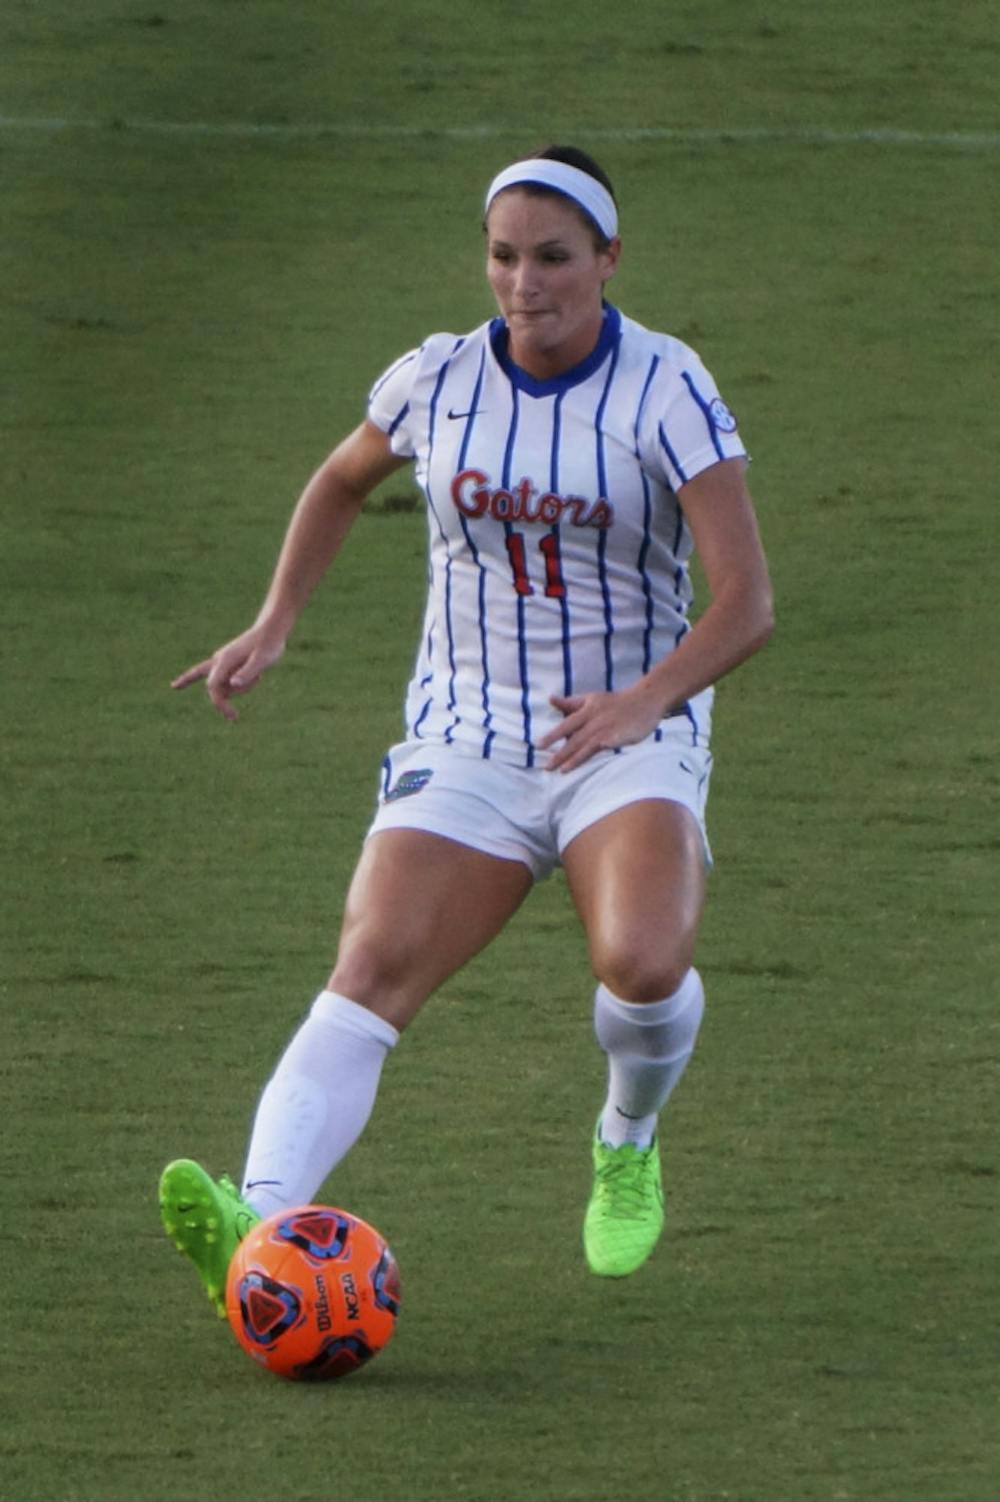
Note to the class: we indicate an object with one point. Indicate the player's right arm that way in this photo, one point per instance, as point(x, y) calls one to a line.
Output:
point(321, 520)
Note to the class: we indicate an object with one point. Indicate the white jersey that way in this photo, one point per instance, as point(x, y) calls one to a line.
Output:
point(558, 549)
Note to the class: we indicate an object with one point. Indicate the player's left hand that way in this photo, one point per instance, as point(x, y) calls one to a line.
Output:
point(598, 722)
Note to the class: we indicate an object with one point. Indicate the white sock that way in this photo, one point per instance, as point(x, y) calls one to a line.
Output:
point(648, 1046)
point(316, 1104)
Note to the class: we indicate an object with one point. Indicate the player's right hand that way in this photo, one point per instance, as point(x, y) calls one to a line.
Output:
point(234, 669)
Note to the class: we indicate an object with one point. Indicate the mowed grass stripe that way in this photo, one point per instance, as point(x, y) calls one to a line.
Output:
point(698, 135)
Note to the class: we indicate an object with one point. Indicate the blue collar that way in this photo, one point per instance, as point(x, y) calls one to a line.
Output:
point(608, 338)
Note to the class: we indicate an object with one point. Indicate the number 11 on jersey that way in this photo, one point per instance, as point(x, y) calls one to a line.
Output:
point(548, 546)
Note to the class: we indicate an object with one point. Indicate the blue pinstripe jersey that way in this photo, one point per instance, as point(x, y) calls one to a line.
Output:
point(558, 548)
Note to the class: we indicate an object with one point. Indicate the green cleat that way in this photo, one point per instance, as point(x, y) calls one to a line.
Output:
point(205, 1220)
point(625, 1215)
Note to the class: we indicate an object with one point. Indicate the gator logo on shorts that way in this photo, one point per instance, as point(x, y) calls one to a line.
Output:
point(409, 783)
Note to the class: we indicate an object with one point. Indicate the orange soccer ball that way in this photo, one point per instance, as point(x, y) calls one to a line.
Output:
point(312, 1293)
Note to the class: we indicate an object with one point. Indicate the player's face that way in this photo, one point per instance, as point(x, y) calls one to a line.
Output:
point(548, 279)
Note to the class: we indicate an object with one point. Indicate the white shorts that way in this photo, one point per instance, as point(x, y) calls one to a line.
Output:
point(531, 815)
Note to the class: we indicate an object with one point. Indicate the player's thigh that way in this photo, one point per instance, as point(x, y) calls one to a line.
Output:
point(420, 906)
point(637, 877)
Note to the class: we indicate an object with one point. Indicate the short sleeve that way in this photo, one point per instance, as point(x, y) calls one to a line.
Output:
point(694, 427)
point(389, 403)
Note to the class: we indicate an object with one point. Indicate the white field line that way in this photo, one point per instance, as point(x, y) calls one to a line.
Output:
point(963, 140)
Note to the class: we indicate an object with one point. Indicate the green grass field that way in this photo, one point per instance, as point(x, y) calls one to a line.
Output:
point(192, 312)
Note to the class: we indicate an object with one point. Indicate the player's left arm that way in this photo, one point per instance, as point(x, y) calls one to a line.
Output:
point(739, 619)
point(737, 622)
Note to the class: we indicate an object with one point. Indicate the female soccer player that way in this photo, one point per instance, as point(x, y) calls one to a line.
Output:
point(559, 711)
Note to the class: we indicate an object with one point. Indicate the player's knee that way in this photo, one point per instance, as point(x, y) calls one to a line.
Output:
point(371, 971)
point(642, 975)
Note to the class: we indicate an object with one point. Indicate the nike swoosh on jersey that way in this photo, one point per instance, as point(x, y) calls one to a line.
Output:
point(473, 412)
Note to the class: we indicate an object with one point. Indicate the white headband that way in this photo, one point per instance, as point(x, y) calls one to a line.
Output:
point(580, 186)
